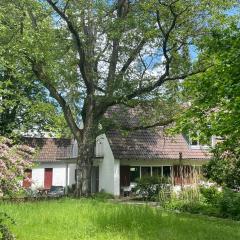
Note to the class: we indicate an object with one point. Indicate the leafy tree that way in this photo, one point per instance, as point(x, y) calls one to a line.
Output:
point(25, 107)
point(215, 104)
point(92, 55)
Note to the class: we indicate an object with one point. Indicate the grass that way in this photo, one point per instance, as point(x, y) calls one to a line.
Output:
point(91, 219)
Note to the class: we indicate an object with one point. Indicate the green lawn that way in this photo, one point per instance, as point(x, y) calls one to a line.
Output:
point(91, 219)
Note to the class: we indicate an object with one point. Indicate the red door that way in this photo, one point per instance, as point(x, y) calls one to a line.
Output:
point(48, 178)
point(27, 181)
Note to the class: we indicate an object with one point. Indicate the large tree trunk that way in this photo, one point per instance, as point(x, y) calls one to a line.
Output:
point(86, 151)
point(84, 167)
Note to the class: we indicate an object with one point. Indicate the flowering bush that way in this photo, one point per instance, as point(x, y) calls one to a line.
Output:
point(14, 159)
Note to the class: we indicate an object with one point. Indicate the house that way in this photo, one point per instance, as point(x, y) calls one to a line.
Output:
point(54, 163)
point(119, 160)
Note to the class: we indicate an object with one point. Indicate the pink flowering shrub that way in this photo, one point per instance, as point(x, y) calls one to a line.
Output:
point(14, 159)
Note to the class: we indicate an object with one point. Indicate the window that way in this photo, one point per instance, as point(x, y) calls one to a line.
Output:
point(134, 173)
point(197, 140)
point(157, 171)
point(99, 147)
point(166, 171)
point(145, 171)
point(194, 139)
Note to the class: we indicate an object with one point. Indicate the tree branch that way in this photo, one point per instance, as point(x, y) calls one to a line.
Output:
point(168, 59)
point(79, 45)
point(40, 74)
point(122, 11)
point(113, 64)
point(132, 56)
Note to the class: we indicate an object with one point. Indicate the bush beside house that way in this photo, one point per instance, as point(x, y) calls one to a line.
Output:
point(211, 201)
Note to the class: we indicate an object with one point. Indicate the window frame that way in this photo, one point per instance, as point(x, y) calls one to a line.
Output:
point(199, 145)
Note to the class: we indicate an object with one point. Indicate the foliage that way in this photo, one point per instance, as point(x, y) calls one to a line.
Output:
point(211, 195)
point(215, 104)
point(188, 199)
point(103, 196)
point(224, 168)
point(209, 201)
point(149, 186)
point(229, 204)
point(90, 219)
point(26, 108)
point(14, 159)
point(5, 221)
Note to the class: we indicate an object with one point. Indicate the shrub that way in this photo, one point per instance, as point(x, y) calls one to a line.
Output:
point(229, 205)
point(212, 195)
point(188, 200)
point(190, 194)
point(149, 186)
point(14, 159)
point(224, 167)
point(103, 196)
point(209, 201)
point(5, 221)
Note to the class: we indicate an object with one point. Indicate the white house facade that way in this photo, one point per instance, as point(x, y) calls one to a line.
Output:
point(119, 160)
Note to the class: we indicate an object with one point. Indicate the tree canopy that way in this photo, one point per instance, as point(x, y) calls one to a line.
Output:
point(215, 104)
point(26, 108)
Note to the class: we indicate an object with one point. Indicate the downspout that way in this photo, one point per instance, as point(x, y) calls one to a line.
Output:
point(181, 169)
point(66, 181)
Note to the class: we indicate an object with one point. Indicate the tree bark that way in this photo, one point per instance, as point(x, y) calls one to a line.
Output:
point(84, 163)
point(86, 149)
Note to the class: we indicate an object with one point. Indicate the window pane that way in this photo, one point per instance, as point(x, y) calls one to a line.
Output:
point(194, 138)
point(194, 142)
point(134, 173)
point(145, 171)
point(157, 171)
point(166, 171)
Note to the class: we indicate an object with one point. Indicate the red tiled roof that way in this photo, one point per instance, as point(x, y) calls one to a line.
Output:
point(152, 144)
point(146, 143)
point(50, 149)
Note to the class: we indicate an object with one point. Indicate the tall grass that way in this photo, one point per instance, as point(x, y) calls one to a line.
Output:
point(91, 219)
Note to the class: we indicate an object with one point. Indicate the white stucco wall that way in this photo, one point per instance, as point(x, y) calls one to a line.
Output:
point(38, 177)
point(109, 174)
point(60, 175)
point(71, 174)
point(116, 177)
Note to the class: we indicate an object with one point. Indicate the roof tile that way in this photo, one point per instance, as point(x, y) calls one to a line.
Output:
point(50, 149)
point(152, 144)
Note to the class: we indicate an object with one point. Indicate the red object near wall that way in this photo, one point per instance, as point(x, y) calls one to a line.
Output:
point(27, 181)
point(48, 178)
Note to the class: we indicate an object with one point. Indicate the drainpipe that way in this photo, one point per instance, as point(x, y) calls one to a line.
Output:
point(181, 169)
point(66, 181)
